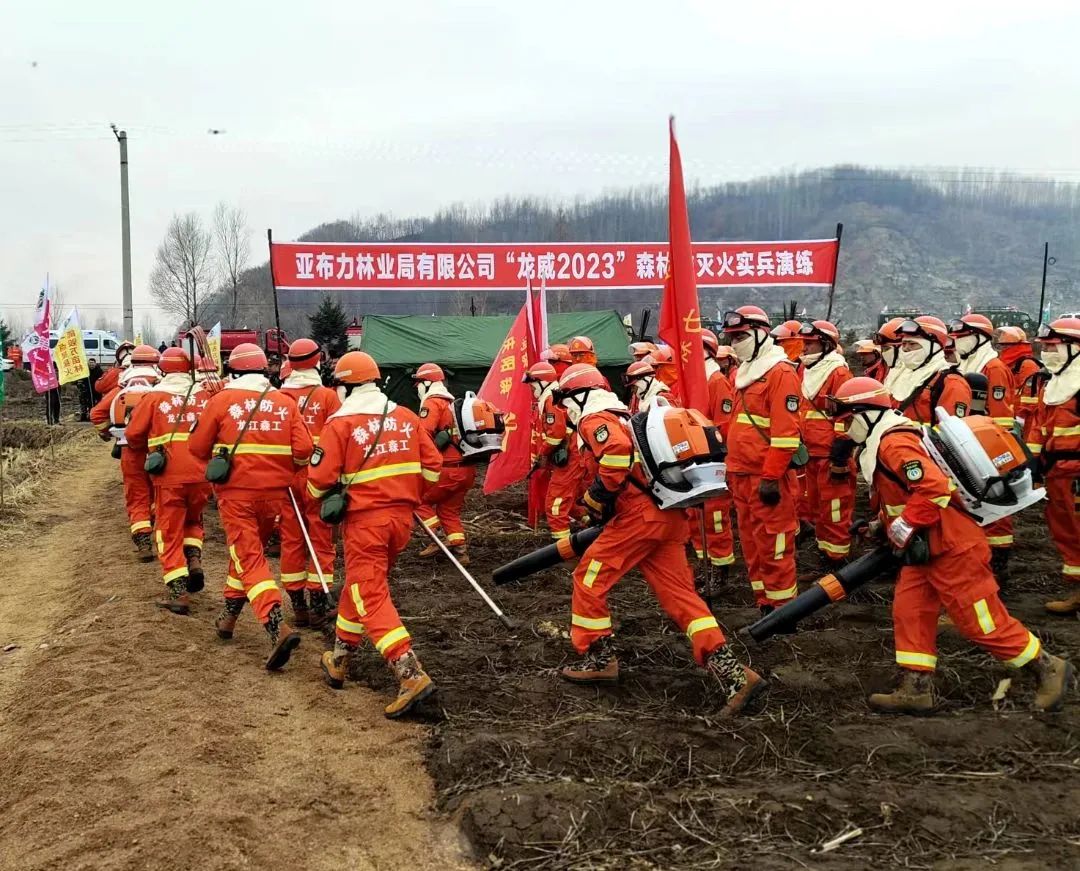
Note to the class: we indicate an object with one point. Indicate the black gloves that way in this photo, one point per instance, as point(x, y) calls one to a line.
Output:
point(600, 501)
point(839, 458)
point(769, 492)
point(560, 457)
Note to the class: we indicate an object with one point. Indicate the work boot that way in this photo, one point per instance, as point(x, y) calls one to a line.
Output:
point(335, 663)
point(144, 546)
point(1054, 676)
point(999, 565)
point(273, 545)
point(301, 617)
point(738, 682)
point(414, 685)
point(283, 637)
point(461, 552)
point(320, 607)
point(431, 551)
point(175, 598)
point(914, 695)
point(598, 666)
point(196, 578)
point(226, 620)
point(1070, 604)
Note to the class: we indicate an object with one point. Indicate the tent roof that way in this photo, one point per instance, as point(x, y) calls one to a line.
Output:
point(407, 341)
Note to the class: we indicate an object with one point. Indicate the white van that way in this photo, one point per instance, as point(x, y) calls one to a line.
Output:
point(99, 344)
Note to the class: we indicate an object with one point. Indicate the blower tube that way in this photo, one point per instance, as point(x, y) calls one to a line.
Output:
point(546, 557)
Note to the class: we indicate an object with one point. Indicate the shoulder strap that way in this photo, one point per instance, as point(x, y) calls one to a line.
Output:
point(750, 417)
point(180, 414)
point(243, 429)
point(307, 398)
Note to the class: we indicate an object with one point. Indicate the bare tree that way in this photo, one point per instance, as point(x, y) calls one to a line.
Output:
point(231, 250)
point(183, 274)
point(147, 330)
point(56, 310)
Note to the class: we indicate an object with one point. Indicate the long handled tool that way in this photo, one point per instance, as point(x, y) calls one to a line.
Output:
point(547, 556)
point(307, 541)
point(706, 561)
point(506, 621)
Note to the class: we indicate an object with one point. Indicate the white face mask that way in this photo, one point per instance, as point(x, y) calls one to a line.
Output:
point(811, 359)
point(422, 389)
point(641, 387)
point(743, 346)
point(573, 410)
point(891, 355)
point(1055, 358)
point(966, 345)
point(537, 389)
point(341, 393)
point(915, 358)
point(859, 428)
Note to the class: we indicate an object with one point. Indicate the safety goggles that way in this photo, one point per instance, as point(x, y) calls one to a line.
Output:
point(736, 321)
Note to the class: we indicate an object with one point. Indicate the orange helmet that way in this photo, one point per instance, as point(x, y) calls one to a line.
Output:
point(540, 373)
point(1061, 330)
point(428, 372)
point(638, 350)
point(746, 317)
point(581, 345)
point(889, 332)
point(726, 352)
point(925, 327)
point(709, 342)
point(285, 371)
point(662, 356)
point(1012, 336)
point(305, 354)
point(174, 360)
point(638, 369)
point(145, 355)
point(559, 353)
point(358, 367)
point(971, 323)
point(823, 331)
point(860, 394)
point(123, 350)
point(866, 346)
point(247, 357)
point(581, 376)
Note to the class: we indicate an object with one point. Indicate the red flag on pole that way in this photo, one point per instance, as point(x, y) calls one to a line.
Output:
point(680, 312)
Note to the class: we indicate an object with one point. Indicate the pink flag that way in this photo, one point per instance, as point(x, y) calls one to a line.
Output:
point(42, 372)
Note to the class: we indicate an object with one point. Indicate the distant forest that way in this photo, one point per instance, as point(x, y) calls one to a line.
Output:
point(935, 240)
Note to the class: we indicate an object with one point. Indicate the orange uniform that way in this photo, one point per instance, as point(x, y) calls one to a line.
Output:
point(719, 540)
point(878, 370)
point(387, 464)
point(113, 410)
point(271, 442)
point(907, 484)
point(763, 436)
point(315, 403)
point(1000, 407)
point(638, 535)
point(1055, 441)
point(1029, 381)
point(443, 503)
point(830, 490)
point(109, 380)
point(559, 450)
point(947, 389)
point(162, 422)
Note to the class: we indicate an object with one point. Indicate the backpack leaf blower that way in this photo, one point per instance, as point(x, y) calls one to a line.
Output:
point(551, 555)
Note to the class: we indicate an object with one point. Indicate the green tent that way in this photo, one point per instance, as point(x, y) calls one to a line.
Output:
point(465, 347)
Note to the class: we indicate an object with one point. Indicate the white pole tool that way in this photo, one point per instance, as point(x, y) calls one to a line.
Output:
point(307, 541)
point(506, 621)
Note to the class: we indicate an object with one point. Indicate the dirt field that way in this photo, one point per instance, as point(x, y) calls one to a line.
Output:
point(134, 739)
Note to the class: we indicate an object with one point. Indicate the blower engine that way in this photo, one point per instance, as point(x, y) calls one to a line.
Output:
point(480, 426)
point(990, 466)
point(122, 405)
point(681, 453)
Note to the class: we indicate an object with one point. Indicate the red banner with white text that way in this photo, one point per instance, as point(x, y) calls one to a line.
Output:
point(491, 266)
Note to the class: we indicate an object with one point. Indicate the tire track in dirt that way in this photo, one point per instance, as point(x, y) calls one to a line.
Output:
point(136, 739)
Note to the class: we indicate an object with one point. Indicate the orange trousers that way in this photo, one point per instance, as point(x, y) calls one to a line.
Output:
point(831, 504)
point(719, 538)
point(138, 490)
point(657, 547)
point(963, 584)
point(805, 509)
point(1063, 520)
point(563, 491)
point(178, 524)
point(249, 573)
point(1000, 533)
point(767, 534)
point(373, 540)
point(297, 566)
point(445, 501)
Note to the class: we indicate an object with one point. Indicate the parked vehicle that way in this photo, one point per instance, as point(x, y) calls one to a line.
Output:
point(272, 341)
point(100, 345)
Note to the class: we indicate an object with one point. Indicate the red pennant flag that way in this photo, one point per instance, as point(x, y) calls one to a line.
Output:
point(680, 313)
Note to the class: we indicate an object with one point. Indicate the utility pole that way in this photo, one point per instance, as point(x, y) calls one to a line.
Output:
point(125, 233)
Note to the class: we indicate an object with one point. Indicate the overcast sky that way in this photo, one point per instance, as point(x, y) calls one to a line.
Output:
point(341, 108)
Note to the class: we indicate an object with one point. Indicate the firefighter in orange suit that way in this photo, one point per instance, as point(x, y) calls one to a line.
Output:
point(558, 355)
point(1028, 374)
point(557, 450)
point(161, 424)
point(641, 350)
point(636, 534)
point(890, 341)
point(110, 416)
point(1055, 442)
point(443, 503)
point(762, 439)
point(582, 350)
point(974, 336)
point(110, 378)
point(946, 558)
point(788, 337)
point(298, 575)
point(643, 380)
point(830, 473)
point(380, 458)
point(870, 358)
point(259, 432)
point(927, 380)
point(719, 543)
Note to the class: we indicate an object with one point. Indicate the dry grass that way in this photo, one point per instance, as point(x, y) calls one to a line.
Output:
point(31, 452)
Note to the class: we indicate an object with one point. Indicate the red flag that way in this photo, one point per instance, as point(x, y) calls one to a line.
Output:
point(680, 313)
point(504, 389)
point(538, 343)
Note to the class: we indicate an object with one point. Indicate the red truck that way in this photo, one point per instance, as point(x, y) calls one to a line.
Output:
point(272, 341)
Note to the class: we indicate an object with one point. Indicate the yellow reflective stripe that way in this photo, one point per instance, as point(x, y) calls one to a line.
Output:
point(235, 559)
point(140, 525)
point(1029, 400)
point(431, 475)
point(999, 540)
point(700, 624)
point(783, 442)
point(894, 510)
point(780, 545)
point(834, 505)
point(909, 657)
point(314, 578)
point(101, 427)
point(751, 419)
point(1072, 571)
point(348, 626)
point(814, 414)
point(175, 574)
point(273, 450)
point(390, 471)
point(1035, 449)
point(555, 505)
point(234, 583)
point(561, 534)
point(1029, 653)
point(722, 560)
point(193, 542)
point(552, 441)
point(839, 427)
point(260, 588)
point(617, 461)
point(718, 521)
point(590, 622)
point(838, 549)
point(1005, 422)
point(942, 501)
point(455, 537)
point(315, 491)
point(158, 441)
point(358, 600)
point(757, 585)
point(777, 595)
point(315, 439)
point(982, 614)
point(432, 522)
point(391, 638)
point(1067, 430)
point(591, 572)
point(293, 577)
point(700, 554)
point(160, 539)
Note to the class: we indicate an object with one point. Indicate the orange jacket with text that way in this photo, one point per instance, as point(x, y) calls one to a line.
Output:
point(316, 404)
point(764, 432)
point(163, 421)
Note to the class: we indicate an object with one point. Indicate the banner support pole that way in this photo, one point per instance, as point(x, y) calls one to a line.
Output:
point(273, 287)
point(836, 266)
point(1042, 293)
